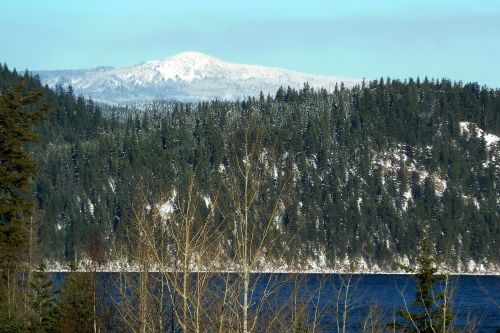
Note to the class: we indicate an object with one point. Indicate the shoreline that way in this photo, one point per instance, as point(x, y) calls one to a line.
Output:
point(312, 267)
point(299, 272)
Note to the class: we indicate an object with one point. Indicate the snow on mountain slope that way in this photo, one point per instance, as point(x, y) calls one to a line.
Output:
point(188, 76)
point(489, 139)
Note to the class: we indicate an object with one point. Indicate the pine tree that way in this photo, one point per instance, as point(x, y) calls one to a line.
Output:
point(18, 115)
point(16, 169)
point(76, 303)
point(44, 303)
point(431, 310)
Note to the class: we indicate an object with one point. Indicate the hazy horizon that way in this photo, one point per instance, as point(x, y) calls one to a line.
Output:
point(452, 39)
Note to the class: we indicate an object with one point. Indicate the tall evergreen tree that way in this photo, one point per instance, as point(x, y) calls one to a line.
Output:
point(17, 168)
point(76, 303)
point(431, 311)
point(44, 303)
point(18, 115)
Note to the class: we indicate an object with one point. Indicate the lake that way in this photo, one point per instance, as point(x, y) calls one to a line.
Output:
point(371, 298)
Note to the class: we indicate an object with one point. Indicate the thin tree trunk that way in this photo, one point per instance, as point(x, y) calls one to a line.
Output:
point(94, 300)
point(185, 274)
point(9, 296)
point(246, 274)
point(445, 303)
point(160, 315)
point(143, 299)
point(30, 263)
point(346, 299)
point(245, 299)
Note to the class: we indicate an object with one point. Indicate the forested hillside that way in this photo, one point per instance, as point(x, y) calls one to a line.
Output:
point(358, 173)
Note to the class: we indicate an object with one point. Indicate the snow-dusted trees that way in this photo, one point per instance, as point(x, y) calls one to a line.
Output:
point(254, 194)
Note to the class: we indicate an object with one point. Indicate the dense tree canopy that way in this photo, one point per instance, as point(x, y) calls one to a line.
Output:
point(17, 166)
point(370, 167)
point(20, 112)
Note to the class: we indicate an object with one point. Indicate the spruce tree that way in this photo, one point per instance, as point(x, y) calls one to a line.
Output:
point(16, 169)
point(43, 303)
point(76, 303)
point(18, 115)
point(431, 311)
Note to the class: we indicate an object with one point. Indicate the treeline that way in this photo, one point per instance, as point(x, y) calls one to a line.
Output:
point(366, 169)
point(190, 191)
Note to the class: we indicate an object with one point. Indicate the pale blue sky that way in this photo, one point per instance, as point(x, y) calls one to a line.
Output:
point(456, 39)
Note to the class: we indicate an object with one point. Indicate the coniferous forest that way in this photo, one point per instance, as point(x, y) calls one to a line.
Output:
point(357, 172)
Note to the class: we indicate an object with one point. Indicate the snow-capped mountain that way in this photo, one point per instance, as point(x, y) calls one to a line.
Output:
point(188, 76)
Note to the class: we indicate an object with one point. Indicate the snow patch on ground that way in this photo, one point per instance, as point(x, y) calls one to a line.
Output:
point(391, 161)
point(318, 265)
point(168, 207)
point(112, 184)
point(208, 201)
point(90, 206)
point(468, 129)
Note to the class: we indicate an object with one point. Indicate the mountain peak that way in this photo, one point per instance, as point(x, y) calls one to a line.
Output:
point(187, 76)
point(185, 66)
point(192, 56)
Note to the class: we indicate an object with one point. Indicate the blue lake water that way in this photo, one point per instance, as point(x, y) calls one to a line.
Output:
point(475, 298)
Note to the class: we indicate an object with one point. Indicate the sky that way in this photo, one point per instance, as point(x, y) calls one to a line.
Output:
point(456, 39)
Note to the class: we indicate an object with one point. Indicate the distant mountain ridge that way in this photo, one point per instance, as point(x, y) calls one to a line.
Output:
point(187, 77)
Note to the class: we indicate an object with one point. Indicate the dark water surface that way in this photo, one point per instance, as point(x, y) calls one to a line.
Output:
point(475, 298)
